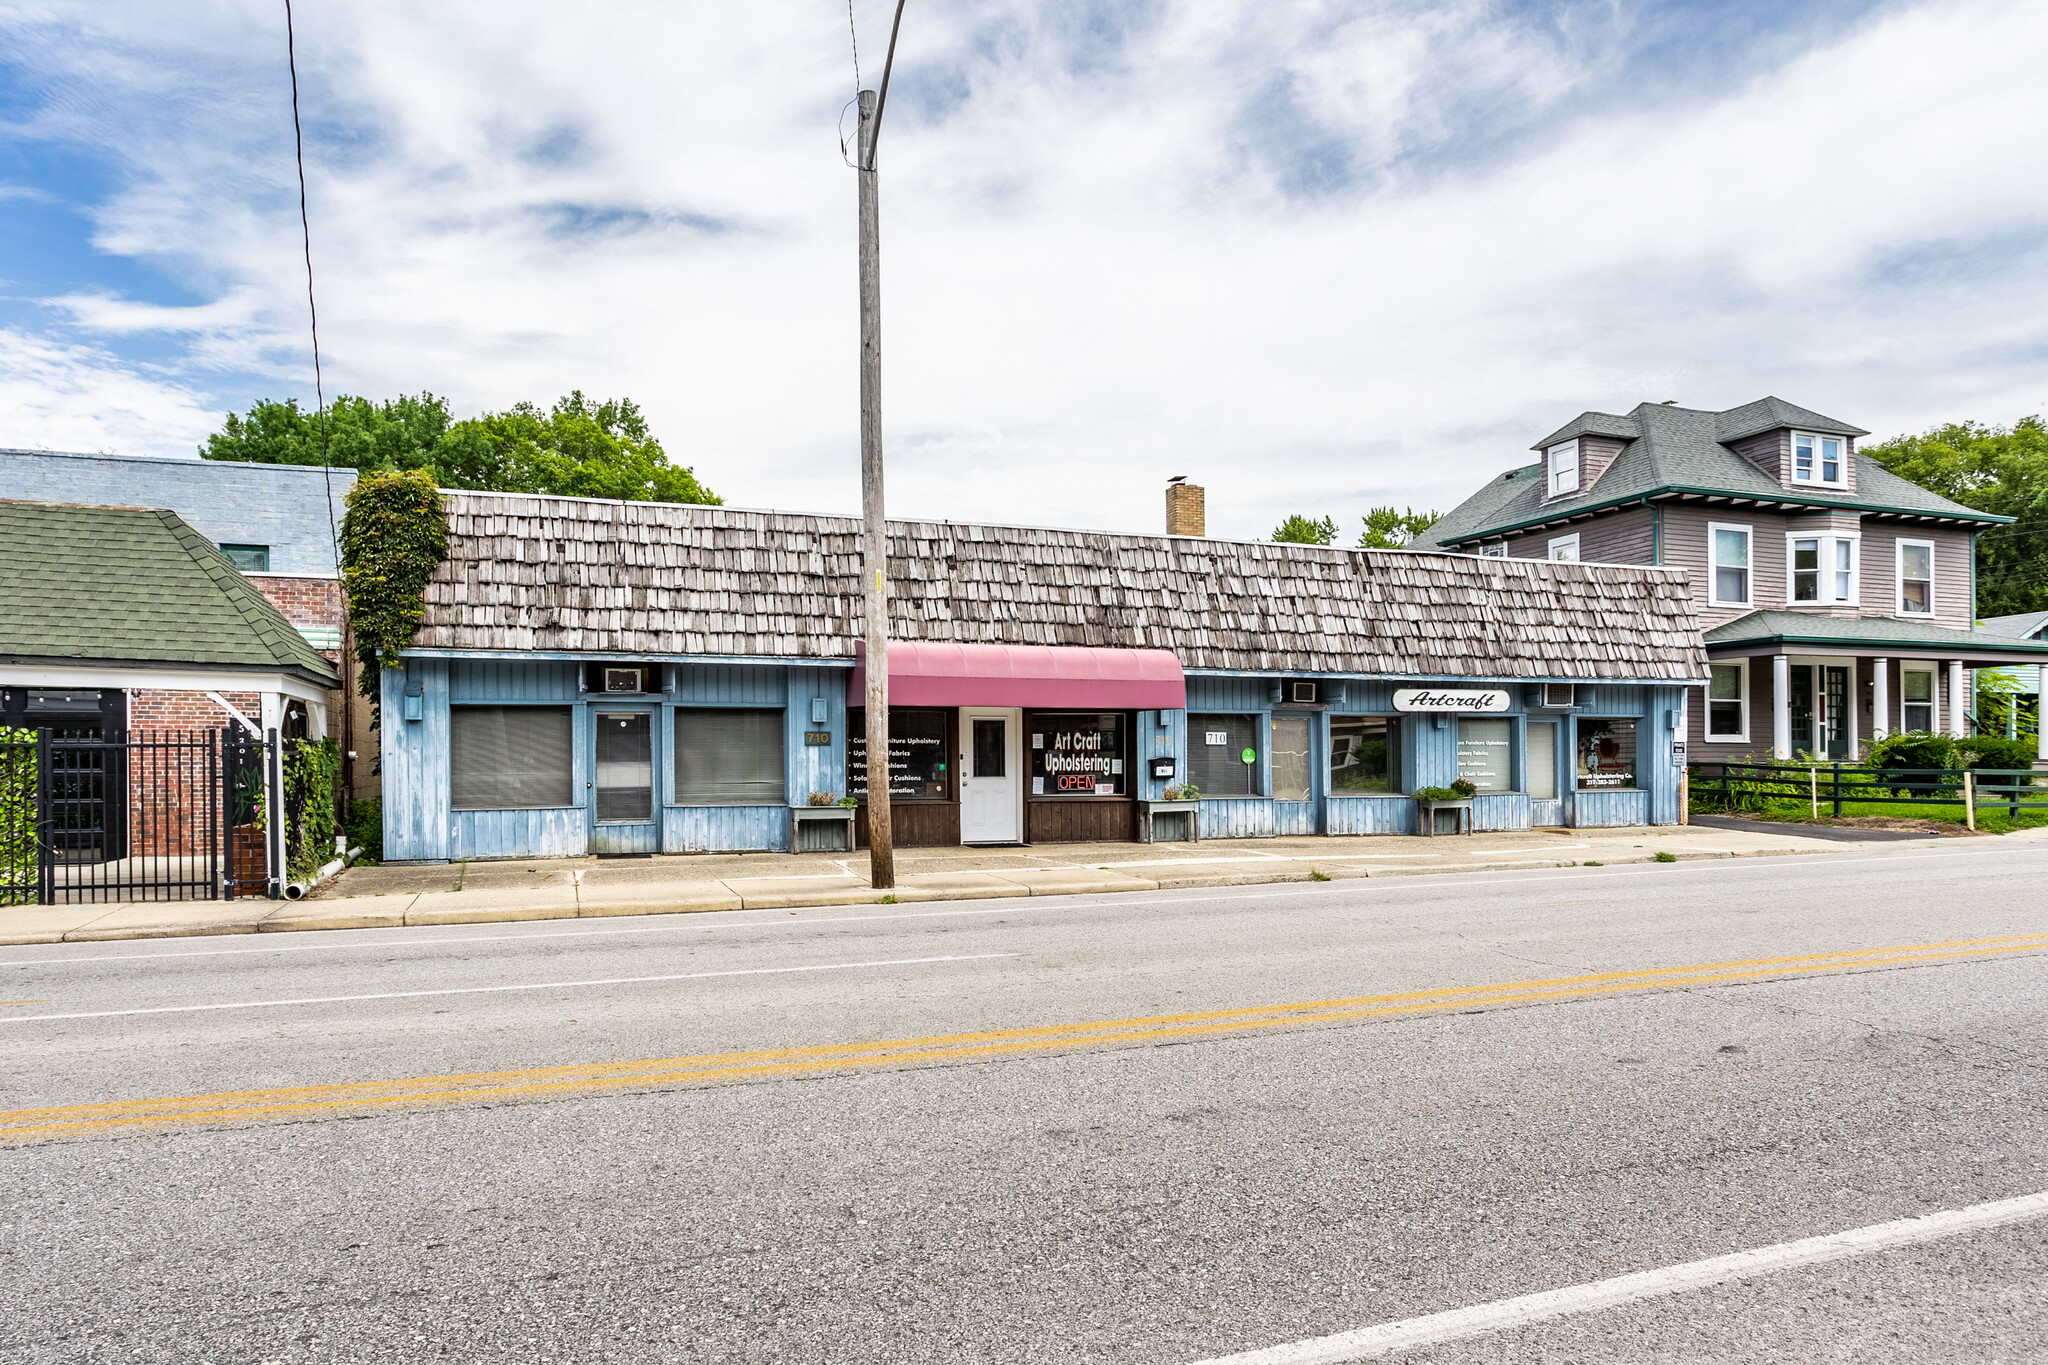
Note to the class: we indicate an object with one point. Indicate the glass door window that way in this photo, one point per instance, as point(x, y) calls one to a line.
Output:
point(625, 767)
point(1835, 710)
point(1801, 706)
point(1290, 758)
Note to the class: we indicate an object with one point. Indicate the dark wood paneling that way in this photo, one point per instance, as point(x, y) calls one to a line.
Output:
point(919, 824)
point(1080, 820)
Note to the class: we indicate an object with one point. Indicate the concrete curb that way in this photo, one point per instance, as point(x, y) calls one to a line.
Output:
point(571, 900)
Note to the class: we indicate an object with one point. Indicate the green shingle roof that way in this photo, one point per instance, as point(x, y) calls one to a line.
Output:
point(1870, 632)
point(129, 585)
point(1682, 450)
point(2025, 626)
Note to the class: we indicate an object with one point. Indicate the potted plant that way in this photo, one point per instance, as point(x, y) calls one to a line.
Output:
point(1458, 797)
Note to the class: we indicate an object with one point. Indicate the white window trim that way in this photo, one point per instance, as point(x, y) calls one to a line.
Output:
point(1572, 540)
point(1827, 572)
point(1933, 702)
point(1792, 460)
point(1741, 667)
point(1550, 468)
point(1494, 549)
point(1714, 598)
point(1899, 581)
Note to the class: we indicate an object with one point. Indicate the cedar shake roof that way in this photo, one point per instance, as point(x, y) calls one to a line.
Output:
point(128, 585)
point(530, 573)
point(1673, 450)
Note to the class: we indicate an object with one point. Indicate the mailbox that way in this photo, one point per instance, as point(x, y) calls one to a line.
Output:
point(1162, 768)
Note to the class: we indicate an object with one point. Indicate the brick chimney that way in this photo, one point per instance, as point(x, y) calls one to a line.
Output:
point(1185, 515)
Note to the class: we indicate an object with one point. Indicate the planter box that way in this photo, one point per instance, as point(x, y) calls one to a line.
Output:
point(1427, 820)
point(1184, 814)
point(821, 829)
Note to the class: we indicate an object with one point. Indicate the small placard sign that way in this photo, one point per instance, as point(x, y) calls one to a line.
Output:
point(1467, 701)
point(818, 739)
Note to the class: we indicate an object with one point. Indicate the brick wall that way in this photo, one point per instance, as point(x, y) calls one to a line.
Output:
point(169, 785)
point(304, 601)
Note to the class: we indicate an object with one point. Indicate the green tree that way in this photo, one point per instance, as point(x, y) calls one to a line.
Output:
point(2003, 470)
point(1386, 529)
point(1299, 530)
point(578, 447)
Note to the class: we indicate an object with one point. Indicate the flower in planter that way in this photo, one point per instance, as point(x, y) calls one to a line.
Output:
point(823, 799)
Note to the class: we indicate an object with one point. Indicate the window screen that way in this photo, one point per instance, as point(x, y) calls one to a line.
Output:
point(729, 758)
point(1217, 745)
point(509, 757)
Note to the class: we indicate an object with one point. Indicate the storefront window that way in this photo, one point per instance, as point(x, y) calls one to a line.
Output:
point(1486, 754)
point(728, 758)
point(1606, 754)
point(1223, 754)
point(1365, 754)
point(508, 757)
point(918, 770)
point(1077, 753)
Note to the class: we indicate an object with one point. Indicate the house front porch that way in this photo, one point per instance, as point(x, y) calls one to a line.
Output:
point(1787, 683)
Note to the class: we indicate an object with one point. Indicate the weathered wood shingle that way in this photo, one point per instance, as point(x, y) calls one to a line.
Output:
point(541, 573)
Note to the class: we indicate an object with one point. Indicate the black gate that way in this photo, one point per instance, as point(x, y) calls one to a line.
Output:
point(140, 816)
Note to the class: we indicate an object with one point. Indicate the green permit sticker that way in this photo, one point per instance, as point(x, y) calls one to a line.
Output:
point(1250, 755)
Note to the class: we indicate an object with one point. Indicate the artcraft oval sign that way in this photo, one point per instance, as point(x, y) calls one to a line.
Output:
point(1471, 701)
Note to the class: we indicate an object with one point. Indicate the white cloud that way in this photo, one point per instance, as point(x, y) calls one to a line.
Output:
point(58, 396)
point(1312, 256)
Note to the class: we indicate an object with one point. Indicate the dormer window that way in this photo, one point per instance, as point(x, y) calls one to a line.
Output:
point(1564, 468)
point(1816, 459)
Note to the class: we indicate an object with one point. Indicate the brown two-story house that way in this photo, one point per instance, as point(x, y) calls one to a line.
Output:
point(1838, 599)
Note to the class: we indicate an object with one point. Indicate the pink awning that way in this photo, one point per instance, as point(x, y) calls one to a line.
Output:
point(1076, 677)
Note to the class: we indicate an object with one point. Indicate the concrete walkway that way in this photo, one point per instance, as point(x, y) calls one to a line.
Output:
point(570, 888)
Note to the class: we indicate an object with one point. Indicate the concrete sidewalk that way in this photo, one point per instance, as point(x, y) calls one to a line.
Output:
point(571, 888)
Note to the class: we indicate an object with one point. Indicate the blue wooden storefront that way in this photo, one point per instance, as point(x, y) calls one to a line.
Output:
point(421, 823)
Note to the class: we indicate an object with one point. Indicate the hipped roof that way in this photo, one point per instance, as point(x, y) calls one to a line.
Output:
point(529, 574)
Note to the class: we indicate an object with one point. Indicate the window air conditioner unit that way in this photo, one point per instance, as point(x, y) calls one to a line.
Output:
point(1560, 696)
point(622, 680)
point(1308, 692)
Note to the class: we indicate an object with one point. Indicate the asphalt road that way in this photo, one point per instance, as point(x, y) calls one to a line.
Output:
point(1146, 1127)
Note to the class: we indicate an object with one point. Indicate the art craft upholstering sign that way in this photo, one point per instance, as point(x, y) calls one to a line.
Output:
point(1465, 701)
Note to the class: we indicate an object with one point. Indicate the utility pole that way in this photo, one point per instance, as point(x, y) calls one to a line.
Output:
point(875, 534)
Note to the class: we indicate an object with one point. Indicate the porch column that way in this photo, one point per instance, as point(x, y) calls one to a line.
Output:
point(2040, 716)
point(1781, 707)
point(1880, 698)
point(1956, 719)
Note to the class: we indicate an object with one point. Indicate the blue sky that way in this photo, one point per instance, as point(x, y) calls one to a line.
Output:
point(1315, 256)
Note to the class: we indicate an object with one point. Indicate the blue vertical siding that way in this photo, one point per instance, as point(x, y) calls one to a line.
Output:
point(1545, 813)
point(815, 769)
point(1500, 811)
point(1160, 734)
point(734, 684)
point(1373, 815)
point(1607, 809)
point(415, 763)
point(1237, 817)
point(724, 829)
point(507, 680)
point(555, 833)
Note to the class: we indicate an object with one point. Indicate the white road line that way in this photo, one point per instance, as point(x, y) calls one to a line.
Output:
point(1372, 1342)
point(488, 990)
point(729, 919)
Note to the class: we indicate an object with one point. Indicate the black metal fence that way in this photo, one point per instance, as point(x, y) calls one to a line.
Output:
point(140, 816)
point(1828, 787)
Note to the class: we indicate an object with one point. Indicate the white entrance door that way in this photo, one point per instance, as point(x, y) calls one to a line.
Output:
point(991, 776)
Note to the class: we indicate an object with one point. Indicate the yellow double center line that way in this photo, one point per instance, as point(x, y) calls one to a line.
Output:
point(365, 1097)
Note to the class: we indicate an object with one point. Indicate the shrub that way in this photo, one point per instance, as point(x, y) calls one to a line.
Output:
point(1998, 754)
point(18, 861)
point(366, 828)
